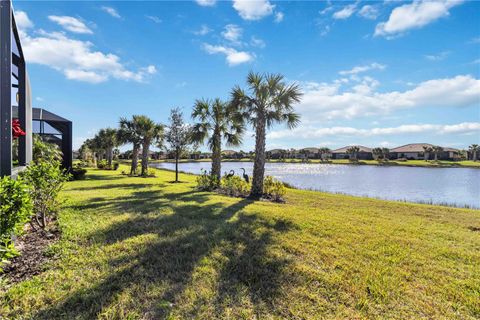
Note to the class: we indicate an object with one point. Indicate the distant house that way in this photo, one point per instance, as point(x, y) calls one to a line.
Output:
point(311, 153)
point(416, 151)
point(276, 153)
point(365, 153)
point(232, 154)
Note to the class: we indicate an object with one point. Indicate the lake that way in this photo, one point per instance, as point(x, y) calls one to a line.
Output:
point(451, 186)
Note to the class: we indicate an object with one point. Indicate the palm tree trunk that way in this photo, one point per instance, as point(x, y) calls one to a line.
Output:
point(216, 155)
point(259, 164)
point(145, 148)
point(133, 168)
point(109, 156)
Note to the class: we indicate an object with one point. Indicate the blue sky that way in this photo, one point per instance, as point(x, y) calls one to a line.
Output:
point(373, 73)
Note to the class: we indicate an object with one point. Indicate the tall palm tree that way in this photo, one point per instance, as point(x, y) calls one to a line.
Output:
point(108, 141)
point(436, 151)
point(353, 152)
point(474, 149)
point(270, 100)
point(427, 150)
point(129, 133)
point(217, 120)
point(150, 132)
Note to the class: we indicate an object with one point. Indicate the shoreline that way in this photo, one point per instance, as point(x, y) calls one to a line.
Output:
point(391, 163)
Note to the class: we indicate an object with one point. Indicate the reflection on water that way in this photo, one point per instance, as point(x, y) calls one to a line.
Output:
point(455, 186)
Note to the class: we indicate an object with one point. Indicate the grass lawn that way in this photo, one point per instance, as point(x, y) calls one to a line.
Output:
point(144, 248)
point(408, 163)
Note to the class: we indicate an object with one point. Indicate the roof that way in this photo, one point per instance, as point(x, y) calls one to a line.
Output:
point(344, 149)
point(418, 147)
point(276, 150)
point(41, 114)
point(313, 150)
point(228, 152)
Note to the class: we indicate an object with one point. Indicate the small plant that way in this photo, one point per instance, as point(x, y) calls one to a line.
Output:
point(102, 164)
point(151, 172)
point(234, 186)
point(15, 211)
point(274, 189)
point(78, 173)
point(207, 182)
point(45, 179)
point(115, 166)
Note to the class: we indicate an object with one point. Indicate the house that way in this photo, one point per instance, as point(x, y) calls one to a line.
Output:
point(416, 151)
point(364, 153)
point(310, 153)
point(276, 153)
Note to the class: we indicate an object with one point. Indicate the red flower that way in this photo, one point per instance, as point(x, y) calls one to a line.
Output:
point(16, 130)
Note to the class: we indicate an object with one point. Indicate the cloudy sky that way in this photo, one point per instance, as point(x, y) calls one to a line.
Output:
point(373, 73)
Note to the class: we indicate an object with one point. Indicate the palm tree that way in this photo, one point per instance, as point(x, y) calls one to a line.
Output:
point(436, 151)
point(385, 153)
point(108, 141)
point(377, 153)
point(129, 133)
point(353, 152)
point(217, 120)
point(270, 101)
point(324, 153)
point(95, 144)
point(427, 150)
point(474, 149)
point(149, 132)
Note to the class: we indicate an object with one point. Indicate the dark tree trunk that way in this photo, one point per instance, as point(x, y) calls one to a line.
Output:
point(216, 156)
point(133, 168)
point(109, 156)
point(145, 148)
point(259, 164)
point(177, 155)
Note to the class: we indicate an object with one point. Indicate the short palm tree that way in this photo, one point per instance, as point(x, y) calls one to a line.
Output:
point(129, 133)
point(353, 152)
point(427, 150)
point(474, 149)
point(324, 153)
point(377, 153)
point(217, 120)
point(269, 101)
point(149, 132)
point(385, 153)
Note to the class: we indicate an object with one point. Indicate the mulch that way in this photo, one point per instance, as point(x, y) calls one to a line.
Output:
point(30, 262)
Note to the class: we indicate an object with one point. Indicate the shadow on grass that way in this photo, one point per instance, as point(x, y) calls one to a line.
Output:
point(185, 236)
point(121, 185)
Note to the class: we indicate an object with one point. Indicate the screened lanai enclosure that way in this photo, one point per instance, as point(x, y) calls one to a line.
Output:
point(18, 121)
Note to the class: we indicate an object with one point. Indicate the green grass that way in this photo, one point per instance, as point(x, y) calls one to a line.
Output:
point(408, 163)
point(136, 248)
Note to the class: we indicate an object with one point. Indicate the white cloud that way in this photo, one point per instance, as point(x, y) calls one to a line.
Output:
point(39, 99)
point(111, 11)
point(359, 69)
point(233, 56)
point(325, 31)
point(253, 9)
point(328, 100)
point(368, 12)
point(437, 57)
point(154, 19)
point(256, 42)
point(414, 15)
point(22, 20)
point(232, 33)
point(204, 30)
point(71, 24)
point(77, 59)
point(206, 3)
point(311, 132)
point(279, 17)
point(345, 13)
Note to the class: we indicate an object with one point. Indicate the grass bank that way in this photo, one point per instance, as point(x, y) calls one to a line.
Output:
point(136, 248)
point(408, 163)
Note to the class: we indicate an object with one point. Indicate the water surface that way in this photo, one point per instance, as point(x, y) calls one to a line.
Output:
point(452, 186)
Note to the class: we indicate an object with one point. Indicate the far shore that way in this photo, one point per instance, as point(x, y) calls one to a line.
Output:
point(408, 163)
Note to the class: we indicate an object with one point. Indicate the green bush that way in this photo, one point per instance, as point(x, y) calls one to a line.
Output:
point(78, 173)
point(116, 165)
point(151, 172)
point(102, 164)
point(45, 180)
point(15, 211)
point(273, 188)
point(207, 182)
point(234, 186)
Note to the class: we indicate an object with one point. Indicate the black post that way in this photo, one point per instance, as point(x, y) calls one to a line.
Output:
point(5, 88)
point(67, 146)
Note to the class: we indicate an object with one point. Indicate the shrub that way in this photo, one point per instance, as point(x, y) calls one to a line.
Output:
point(151, 172)
point(78, 173)
point(102, 164)
point(273, 188)
point(45, 179)
point(207, 182)
point(234, 186)
point(116, 165)
point(15, 211)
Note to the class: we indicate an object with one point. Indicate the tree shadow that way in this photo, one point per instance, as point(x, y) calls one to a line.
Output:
point(183, 238)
